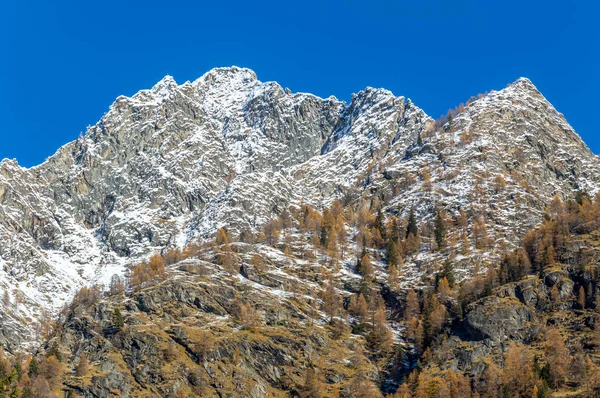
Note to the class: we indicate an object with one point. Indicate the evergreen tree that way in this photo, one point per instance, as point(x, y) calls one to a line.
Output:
point(34, 368)
point(448, 273)
point(412, 224)
point(393, 253)
point(440, 229)
point(379, 224)
point(117, 320)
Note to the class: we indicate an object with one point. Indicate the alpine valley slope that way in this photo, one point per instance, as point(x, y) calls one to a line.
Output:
point(172, 164)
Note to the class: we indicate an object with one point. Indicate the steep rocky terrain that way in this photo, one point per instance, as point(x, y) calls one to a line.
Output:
point(169, 166)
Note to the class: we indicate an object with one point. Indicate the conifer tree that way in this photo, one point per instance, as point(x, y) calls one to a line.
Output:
point(411, 308)
point(381, 334)
point(327, 226)
point(221, 237)
point(517, 375)
point(393, 277)
point(331, 300)
point(359, 308)
point(581, 298)
point(285, 220)
point(557, 356)
point(117, 320)
point(393, 256)
point(412, 228)
point(365, 268)
point(312, 386)
point(440, 229)
point(83, 366)
point(443, 290)
point(379, 224)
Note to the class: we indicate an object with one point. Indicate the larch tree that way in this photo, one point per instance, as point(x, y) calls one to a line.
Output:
point(365, 268)
point(443, 290)
point(490, 385)
point(331, 300)
point(462, 221)
point(83, 366)
point(271, 231)
point(312, 385)
point(381, 334)
point(221, 237)
point(436, 318)
point(393, 255)
point(393, 276)
point(517, 375)
point(327, 226)
point(360, 308)
point(557, 355)
point(581, 298)
point(411, 308)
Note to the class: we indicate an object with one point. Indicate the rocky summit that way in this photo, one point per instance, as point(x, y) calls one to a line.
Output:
point(250, 313)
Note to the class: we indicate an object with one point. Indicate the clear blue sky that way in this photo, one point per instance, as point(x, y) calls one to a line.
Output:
point(63, 64)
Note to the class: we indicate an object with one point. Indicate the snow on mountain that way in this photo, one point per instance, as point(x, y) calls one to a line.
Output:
point(175, 162)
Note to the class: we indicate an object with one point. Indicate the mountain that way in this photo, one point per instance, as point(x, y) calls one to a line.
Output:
point(169, 166)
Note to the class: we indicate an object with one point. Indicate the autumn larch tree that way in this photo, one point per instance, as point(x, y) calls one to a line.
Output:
point(83, 366)
point(581, 298)
point(557, 355)
point(381, 335)
point(365, 268)
point(359, 308)
point(327, 226)
point(221, 237)
point(331, 300)
point(443, 290)
point(312, 385)
point(271, 232)
point(411, 308)
point(517, 376)
point(436, 317)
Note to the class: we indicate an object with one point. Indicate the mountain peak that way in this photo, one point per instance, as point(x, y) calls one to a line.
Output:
point(166, 83)
point(525, 85)
point(227, 74)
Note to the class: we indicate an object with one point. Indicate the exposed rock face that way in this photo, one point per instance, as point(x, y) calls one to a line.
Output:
point(175, 162)
point(515, 313)
point(501, 319)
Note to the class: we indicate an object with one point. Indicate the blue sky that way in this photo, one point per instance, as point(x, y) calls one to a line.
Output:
point(64, 62)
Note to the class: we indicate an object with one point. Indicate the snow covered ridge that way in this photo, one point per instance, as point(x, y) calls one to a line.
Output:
point(174, 163)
